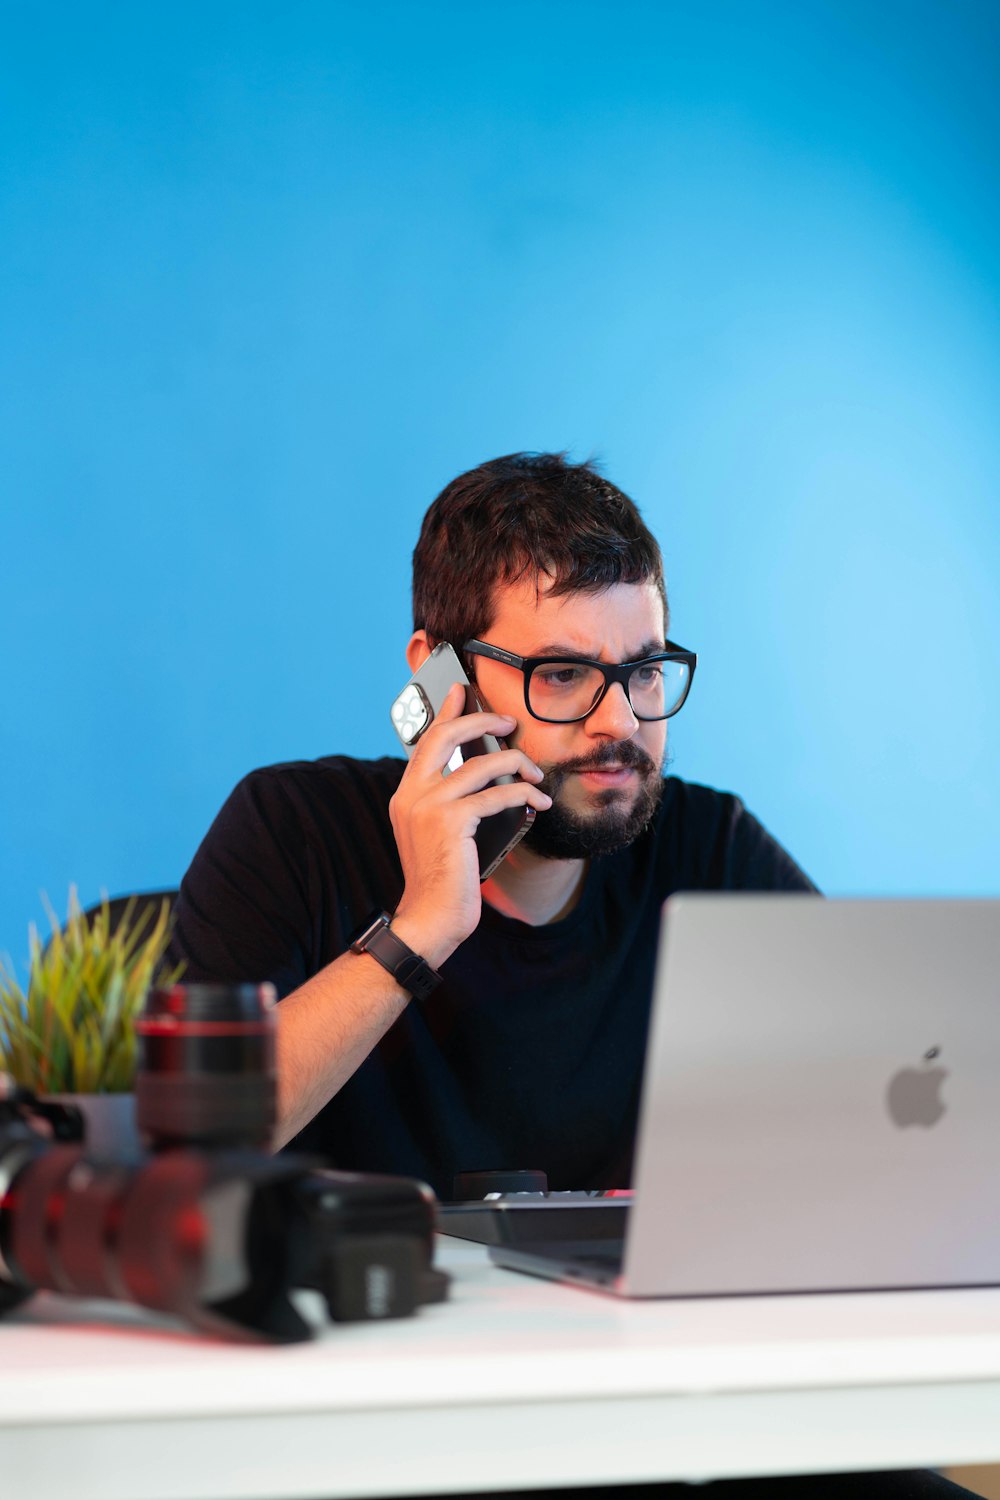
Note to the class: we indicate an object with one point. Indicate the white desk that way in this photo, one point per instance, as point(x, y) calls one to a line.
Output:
point(511, 1383)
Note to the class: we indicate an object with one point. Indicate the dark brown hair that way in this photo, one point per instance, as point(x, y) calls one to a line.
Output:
point(527, 513)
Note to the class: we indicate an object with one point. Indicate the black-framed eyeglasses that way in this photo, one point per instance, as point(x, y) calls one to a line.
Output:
point(566, 689)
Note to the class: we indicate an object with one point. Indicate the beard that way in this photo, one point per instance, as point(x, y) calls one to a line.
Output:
point(615, 822)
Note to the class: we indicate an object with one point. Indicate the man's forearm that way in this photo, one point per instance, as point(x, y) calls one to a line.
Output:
point(326, 1029)
point(330, 1024)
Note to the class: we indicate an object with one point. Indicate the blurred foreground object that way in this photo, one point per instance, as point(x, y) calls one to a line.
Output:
point(72, 1030)
point(207, 1226)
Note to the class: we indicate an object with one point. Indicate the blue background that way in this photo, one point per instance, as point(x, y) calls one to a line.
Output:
point(271, 275)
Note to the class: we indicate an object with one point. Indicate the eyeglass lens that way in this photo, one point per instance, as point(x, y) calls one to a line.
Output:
point(561, 691)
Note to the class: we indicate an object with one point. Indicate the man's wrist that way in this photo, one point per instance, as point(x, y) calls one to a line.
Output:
point(409, 969)
point(423, 937)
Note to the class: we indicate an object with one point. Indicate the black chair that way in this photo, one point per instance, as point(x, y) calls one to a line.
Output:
point(118, 905)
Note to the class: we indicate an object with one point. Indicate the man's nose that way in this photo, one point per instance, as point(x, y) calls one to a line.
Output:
point(613, 716)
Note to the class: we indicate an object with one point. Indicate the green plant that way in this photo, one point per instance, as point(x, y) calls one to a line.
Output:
point(73, 1029)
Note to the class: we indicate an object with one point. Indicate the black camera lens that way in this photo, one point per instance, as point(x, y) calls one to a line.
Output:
point(206, 1074)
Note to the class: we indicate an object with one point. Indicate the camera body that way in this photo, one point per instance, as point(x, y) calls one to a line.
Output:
point(207, 1225)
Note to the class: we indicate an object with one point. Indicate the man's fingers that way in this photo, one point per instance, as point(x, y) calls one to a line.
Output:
point(495, 798)
point(438, 744)
point(479, 770)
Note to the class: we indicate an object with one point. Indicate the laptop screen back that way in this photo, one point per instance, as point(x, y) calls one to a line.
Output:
point(821, 1099)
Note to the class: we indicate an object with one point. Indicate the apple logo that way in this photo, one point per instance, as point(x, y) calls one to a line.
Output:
point(913, 1095)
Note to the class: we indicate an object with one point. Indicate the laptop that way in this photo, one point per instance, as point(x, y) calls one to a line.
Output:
point(820, 1107)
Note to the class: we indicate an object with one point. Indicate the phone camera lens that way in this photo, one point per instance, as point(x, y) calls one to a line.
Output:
point(410, 714)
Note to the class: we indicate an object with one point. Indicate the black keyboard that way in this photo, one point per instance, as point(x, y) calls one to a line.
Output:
point(529, 1218)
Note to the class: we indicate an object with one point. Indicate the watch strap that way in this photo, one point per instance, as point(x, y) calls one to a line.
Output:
point(408, 969)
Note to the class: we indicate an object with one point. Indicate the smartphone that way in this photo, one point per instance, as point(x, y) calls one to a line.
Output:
point(414, 710)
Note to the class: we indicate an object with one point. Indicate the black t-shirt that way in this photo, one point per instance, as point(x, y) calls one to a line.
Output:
point(530, 1052)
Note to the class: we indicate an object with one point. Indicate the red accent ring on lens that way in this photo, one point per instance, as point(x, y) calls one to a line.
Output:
point(168, 1026)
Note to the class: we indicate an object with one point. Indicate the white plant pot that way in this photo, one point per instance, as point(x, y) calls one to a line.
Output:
point(109, 1123)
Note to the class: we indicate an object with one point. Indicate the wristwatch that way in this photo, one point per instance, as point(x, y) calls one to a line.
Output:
point(408, 969)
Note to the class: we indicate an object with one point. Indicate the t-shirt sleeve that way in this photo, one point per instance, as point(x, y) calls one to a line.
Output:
point(715, 844)
point(751, 858)
point(243, 913)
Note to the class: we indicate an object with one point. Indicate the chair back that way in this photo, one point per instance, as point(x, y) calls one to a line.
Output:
point(118, 905)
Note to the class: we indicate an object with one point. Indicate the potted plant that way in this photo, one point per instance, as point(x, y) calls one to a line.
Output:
point(69, 1034)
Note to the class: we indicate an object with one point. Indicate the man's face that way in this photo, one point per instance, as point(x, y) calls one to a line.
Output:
point(603, 773)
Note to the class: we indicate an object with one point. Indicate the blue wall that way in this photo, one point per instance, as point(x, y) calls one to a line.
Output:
point(271, 275)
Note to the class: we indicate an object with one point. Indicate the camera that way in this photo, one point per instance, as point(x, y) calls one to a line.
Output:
point(205, 1224)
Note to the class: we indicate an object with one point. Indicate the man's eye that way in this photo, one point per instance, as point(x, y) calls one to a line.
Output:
point(559, 677)
point(648, 677)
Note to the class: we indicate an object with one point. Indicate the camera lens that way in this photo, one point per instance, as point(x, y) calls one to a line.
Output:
point(206, 1075)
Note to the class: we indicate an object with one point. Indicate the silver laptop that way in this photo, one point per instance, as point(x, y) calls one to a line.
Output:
point(820, 1106)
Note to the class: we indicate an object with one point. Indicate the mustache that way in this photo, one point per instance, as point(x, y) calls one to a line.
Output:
point(624, 753)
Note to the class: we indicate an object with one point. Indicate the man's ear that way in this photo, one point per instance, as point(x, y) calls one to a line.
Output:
point(419, 649)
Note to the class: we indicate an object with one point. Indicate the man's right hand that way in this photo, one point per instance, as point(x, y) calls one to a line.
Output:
point(434, 819)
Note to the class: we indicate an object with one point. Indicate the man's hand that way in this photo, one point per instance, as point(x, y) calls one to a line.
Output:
point(435, 817)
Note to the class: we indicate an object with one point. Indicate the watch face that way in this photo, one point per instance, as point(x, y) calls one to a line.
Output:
point(377, 924)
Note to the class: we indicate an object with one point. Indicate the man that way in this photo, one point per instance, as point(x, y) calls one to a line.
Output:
point(528, 1053)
